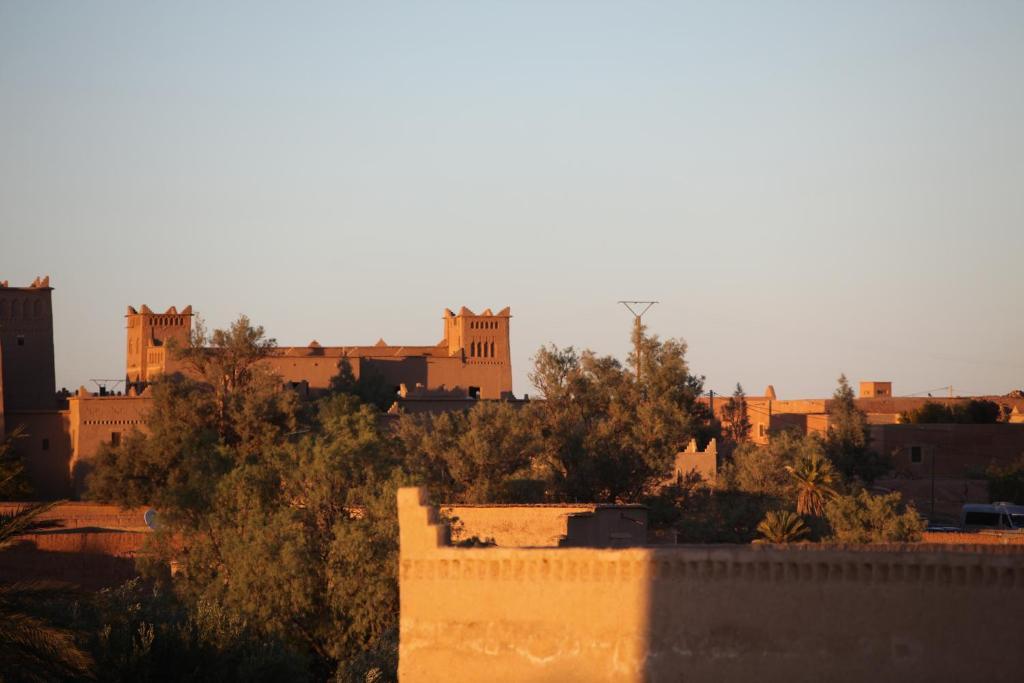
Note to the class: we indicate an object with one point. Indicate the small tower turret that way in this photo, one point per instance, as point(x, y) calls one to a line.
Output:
point(148, 334)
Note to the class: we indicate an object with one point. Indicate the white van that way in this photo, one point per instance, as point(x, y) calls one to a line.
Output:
point(1003, 516)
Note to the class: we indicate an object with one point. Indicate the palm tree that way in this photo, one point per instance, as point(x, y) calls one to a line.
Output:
point(813, 478)
point(782, 526)
point(29, 644)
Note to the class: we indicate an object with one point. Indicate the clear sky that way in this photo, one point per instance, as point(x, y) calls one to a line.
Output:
point(808, 188)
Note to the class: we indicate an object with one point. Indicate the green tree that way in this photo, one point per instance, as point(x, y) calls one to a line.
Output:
point(371, 387)
point(139, 632)
point(974, 411)
point(762, 470)
point(1006, 483)
point(482, 455)
point(848, 439)
point(736, 421)
point(607, 436)
point(32, 647)
point(782, 526)
point(813, 481)
point(867, 518)
point(282, 516)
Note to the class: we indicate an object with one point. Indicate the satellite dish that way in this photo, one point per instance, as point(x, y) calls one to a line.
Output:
point(150, 518)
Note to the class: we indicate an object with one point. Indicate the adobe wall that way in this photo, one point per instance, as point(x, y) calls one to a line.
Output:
point(704, 463)
point(950, 495)
point(93, 421)
point(548, 526)
point(91, 560)
point(703, 613)
point(46, 451)
point(958, 450)
point(512, 526)
point(88, 544)
point(318, 370)
point(74, 515)
point(974, 538)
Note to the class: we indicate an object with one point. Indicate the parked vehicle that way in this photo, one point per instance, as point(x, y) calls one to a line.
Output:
point(1002, 516)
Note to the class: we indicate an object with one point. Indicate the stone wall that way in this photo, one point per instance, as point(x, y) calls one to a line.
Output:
point(704, 613)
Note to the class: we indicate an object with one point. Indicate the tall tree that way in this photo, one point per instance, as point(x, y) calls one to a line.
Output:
point(282, 516)
point(848, 439)
point(482, 455)
point(735, 420)
point(605, 435)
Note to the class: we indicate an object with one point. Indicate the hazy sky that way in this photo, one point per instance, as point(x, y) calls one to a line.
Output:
point(808, 188)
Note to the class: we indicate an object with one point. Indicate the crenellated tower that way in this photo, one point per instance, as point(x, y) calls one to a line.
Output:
point(483, 343)
point(148, 335)
point(26, 346)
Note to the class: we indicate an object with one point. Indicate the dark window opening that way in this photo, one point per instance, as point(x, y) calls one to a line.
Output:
point(915, 454)
point(115, 438)
point(982, 519)
point(21, 340)
point(46, 444)
point(474, 392)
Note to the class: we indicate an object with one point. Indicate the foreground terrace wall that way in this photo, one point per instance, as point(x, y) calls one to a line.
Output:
point(704, 613)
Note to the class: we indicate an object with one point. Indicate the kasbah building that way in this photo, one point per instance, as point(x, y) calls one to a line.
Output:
point(61, 434)
point(471, 362)
point(566, 592)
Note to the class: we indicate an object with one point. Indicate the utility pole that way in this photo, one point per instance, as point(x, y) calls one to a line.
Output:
point(638, 313)
point(931, 519)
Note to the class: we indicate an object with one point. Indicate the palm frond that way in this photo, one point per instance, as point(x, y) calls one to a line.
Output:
point(38, 650)
point(21, 522)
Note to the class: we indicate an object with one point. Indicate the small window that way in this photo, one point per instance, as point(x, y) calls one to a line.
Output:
point(760, 430)
point(474, 392)
point(115, 438)
point(915, 454)
point(21, 340)
point(46, 444)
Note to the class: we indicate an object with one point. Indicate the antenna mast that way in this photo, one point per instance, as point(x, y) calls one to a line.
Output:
point(637, 308)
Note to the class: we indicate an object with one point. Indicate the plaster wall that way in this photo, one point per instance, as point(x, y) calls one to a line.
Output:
point(95, 420)
point(46, 451)
point(86, 544)
point(704, 613)
point(704, 463)
point(318, 370)
point(957, 450)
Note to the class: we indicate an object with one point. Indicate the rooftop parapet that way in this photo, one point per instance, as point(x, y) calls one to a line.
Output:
point(41, 282)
